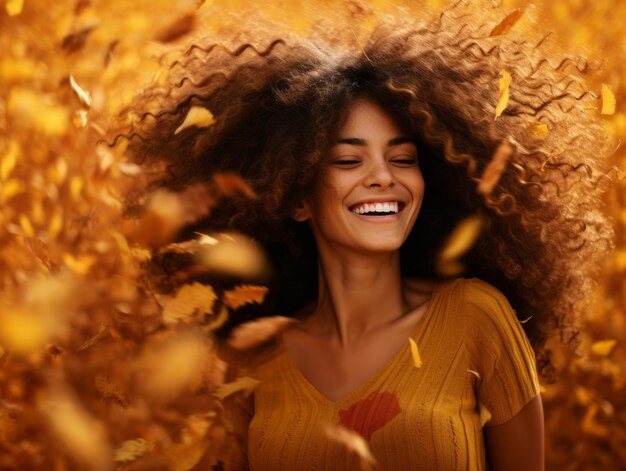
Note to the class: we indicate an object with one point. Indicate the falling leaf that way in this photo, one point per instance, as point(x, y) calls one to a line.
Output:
point(603, 347)
point(102, 332)
point(351, 441)
point(230, 184)
point(463, 237)
point(245, 384)
point(75, 41)
point(417, 361)
point(188, 300)
point(197, 116)
point(484, 414)
point(503, 92)
point(507, 23)
point(244, 294)
point(254, 333)
point(538, 130)
point(14, 7)
point(133, 449)
point(475, 373)
point(83, 96)
point(494, 169)
point(32, 110)
point(234, 255)
point(9, 159)
point(219, 320)
point(608, 100)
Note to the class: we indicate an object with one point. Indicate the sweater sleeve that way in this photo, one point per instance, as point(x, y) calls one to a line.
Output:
point(504, 355)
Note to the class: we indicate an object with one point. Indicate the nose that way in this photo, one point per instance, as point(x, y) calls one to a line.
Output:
point(379, 174)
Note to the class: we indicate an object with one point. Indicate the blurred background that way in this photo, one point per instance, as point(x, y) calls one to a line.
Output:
point(104, 368)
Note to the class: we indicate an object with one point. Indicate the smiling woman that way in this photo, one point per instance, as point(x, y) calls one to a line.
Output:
point(363, 158)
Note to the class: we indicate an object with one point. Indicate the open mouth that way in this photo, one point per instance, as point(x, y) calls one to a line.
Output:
point(378, 209)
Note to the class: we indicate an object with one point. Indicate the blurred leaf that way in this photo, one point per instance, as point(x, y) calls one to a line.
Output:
point(507, 23)
point(538, 130)
point(608, 100)
point(245, 384)
point(188, 300)
point(254, 333)
point(102, 333)
point(14, 7)
point(417, 360)
point(132, 449)
point(496, 166)
point(353, 442)
point(83, 96)
point(244, 294)
point(231, 184)
point(603, 347)
point(177, 29)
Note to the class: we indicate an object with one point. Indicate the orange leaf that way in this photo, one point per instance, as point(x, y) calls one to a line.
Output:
point(254, 333)
point(244, 294)
point(495, 168)
point(507, 23)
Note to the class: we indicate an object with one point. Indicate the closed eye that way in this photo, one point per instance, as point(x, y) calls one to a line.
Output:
point(346, 162)
point(405, 161)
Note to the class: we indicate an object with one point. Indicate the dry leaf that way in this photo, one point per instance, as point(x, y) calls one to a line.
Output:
point(230, 184)
point(353, 443)
point(133, 449)
point(83, 96)
point(538, 130)
point(608, 100)
point(507, 23)
point(244, 294)
point(177, 29)
point(254, 333)
point(503, 92)
point(102, 332)
point(188, 300)
point(494, 169)
point(14, 7)
point(245, 384)
point(197, 116)
point(417, 361)
point(475, 373)
point(462, 238)
point(232, 254)
point(603, 347)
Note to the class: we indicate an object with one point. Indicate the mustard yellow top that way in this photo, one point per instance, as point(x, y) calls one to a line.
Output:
point(477, 367)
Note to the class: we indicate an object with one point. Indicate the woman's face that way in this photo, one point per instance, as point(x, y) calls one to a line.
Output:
point(372, 187)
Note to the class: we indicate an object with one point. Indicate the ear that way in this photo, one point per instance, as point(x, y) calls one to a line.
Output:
point(301, 213)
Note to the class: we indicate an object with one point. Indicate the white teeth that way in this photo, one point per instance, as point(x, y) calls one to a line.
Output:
point(365, 208)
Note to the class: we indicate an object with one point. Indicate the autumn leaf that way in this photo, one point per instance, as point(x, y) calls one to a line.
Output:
point(417, 361)
point(188, 300)
point(83, 96)
point(538, 130)
point(102, 333)
point(231, 184)
point(503, 92)
point(494, 169)
point(14, 7)
point(608, 100)
point(244, 294)
point(133, 449)
point(507, 23)
point(462, 237)
point(352, 442)
point(254, 333)
point(234, 254)
point(245, 384)
point(197, 116)
point(603, 347)
point(177, 29)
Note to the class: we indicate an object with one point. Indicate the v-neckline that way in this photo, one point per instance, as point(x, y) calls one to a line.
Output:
point(376, 377)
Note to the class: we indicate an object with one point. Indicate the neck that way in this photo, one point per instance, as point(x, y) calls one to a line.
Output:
point(358, 293)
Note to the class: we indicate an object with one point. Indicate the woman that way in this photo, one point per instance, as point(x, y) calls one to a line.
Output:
point(364, 158)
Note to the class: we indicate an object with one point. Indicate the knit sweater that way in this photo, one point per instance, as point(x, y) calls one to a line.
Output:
point(477, 370)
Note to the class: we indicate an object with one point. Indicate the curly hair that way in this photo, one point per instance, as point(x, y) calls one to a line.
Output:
point(278, 98)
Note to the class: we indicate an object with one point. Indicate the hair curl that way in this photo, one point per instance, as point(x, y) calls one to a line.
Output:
point(279, 97)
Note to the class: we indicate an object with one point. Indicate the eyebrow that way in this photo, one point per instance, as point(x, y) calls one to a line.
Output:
point(357, 141)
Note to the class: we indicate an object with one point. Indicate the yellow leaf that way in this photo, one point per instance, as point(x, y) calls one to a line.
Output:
point(10, 188)
point(484, 415)
point(76, 186)
point(603, 347)
point(26, 226)
point(244, 294)
point(353, 442)
point(83, 96)
point(256, 332)
point(9, 159)
point(538, 130)
point(188, 299)
point(234, 254)
point(81, 264)
point(55, 225)
point(608, 100)
point(22, 331)
point(503, 92)
point(196, 116)
point(14, 7)
point(507, 23)
point(245, 384)
point(19, 69)
point(132, 449)
point(417, 361)
point(31, 109)
point(463, 237)
point(494, 169)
